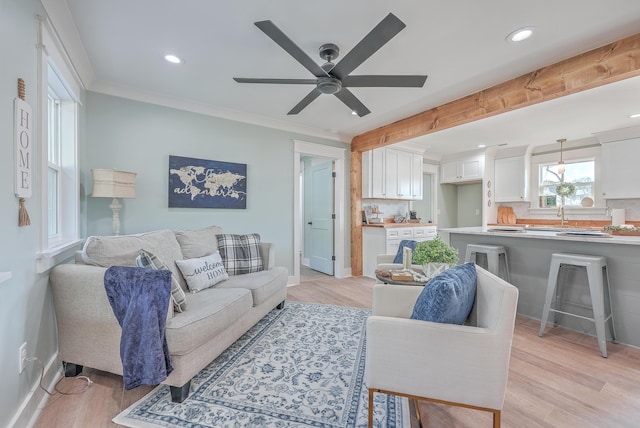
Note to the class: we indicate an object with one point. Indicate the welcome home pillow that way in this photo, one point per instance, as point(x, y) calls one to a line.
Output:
point(240, 253)
point(203, 272)
point(148, 260)
point(448, 297)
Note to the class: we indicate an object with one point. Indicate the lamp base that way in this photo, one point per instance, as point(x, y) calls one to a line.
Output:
point(115, 207)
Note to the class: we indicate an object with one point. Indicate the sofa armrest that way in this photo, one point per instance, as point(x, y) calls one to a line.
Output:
point(268, 253)
point(395, 300)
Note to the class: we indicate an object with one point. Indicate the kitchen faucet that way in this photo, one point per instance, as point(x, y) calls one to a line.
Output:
point(560, 214)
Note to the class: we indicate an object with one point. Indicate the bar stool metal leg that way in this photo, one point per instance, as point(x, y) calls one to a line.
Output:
point(594, 275)
point(551, 288)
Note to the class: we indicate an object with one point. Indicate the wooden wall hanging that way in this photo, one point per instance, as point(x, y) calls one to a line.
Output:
point(23, 179)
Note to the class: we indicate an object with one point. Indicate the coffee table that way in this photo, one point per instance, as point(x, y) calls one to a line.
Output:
point(384, 276)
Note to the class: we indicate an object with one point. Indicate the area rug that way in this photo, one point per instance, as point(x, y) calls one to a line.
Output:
point(302, 366)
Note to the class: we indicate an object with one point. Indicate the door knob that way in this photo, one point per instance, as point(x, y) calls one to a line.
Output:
point(310, 222)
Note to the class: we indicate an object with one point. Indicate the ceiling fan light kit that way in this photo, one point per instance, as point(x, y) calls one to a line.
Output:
point(334, 79)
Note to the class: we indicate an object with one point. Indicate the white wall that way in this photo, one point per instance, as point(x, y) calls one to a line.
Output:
point(26, 312)
point(139, 137)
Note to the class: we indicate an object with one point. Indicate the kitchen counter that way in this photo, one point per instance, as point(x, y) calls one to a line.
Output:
point(529, 255)
point(387, 225)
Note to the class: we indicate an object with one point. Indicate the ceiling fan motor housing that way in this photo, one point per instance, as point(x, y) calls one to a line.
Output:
point(329, 85)
point(329, 52)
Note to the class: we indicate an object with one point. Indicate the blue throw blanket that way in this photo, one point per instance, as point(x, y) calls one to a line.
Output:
point(404, 243)
point(140, 300)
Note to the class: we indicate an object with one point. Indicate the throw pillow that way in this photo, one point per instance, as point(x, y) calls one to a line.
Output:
point(404, 243)
point(203, 272)
point(240, 253)
point(448, 297)
point(148, 260)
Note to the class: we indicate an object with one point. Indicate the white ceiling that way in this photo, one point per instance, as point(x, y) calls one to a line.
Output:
point(118, 47)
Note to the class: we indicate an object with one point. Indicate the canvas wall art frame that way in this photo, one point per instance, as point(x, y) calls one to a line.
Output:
point(203, 183)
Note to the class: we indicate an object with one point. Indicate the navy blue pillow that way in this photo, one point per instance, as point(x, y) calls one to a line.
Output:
point(404, 243)
point(448, 297)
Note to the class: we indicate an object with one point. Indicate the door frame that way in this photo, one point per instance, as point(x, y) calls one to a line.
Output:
point(304, 148)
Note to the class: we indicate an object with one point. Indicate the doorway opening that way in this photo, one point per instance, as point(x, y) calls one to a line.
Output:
point(323, 160)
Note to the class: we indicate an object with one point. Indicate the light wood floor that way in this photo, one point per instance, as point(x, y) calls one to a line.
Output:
point(556, 381)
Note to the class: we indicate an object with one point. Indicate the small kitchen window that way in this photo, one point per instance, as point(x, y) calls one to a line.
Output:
point(579, 173)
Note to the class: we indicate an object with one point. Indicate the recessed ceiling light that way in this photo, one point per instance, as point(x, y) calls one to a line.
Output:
point(173, 59)
point(482, 146)
point(353, 112)
point(634, 116)
point(520, 35)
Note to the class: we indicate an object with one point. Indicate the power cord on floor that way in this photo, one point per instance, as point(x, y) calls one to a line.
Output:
point(89, 381)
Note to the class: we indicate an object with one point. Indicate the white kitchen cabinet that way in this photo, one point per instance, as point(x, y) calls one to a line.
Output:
point(620, 172)
point(386, 240)
point(391, 174)
point(462, 170)
point(511, 183)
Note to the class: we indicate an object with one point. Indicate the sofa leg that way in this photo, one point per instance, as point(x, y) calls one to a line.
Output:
point(280, 305)
point(71, 370)
point(180, 393)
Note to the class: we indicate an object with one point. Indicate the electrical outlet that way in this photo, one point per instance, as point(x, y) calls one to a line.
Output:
point(22, 357)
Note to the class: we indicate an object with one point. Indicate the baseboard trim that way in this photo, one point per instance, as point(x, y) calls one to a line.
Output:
point(34, 402)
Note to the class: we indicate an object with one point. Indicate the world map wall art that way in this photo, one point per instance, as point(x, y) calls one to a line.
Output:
point(202, 183)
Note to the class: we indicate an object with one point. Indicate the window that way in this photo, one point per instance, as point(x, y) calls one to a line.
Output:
point(580, 173)
point(58, 123)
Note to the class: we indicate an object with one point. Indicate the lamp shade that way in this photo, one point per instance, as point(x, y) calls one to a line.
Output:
point(112, 183)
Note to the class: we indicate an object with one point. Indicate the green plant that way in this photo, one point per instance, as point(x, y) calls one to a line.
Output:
point(566, 189)
point(435, 251)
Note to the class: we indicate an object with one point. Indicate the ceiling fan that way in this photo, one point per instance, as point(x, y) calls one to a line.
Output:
point(333, 78)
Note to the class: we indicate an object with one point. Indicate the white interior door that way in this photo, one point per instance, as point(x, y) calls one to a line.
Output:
point(320, 217)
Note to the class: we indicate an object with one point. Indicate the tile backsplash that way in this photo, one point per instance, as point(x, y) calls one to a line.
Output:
point(630, 206)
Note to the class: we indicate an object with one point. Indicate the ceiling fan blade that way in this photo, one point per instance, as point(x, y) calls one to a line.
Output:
point(271, 30)
point(280, 81)
point(388, 81)
point(381, 34)
point(347, 97)
point(315, 93)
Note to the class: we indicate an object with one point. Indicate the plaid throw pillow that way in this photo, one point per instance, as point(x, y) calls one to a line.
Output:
point(147, 260)
point(240, 253)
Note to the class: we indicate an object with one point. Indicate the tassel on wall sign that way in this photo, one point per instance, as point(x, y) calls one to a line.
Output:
point(23, 121)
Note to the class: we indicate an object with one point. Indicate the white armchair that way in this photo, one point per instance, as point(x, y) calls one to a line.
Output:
point(461, 365)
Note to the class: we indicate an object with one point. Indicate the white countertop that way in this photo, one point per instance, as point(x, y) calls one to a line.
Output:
point(537, 234)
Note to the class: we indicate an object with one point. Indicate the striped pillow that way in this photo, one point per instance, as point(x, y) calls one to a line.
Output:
point(147, 260)
point(240, 253)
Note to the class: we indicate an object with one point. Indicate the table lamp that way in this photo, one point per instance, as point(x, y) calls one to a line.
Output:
point(112, 183)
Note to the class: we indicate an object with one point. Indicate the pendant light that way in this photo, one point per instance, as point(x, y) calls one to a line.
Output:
point(561, 168)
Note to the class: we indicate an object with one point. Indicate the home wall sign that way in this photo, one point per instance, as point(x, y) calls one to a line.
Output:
point(23, 160)
point(201, 183)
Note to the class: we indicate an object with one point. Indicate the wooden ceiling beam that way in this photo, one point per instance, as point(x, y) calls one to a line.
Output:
point(616, 61)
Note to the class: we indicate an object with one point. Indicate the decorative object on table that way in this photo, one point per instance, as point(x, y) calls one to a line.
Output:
point(406, 258)
point(586, 202)
point(281, 379)
point(405, 243)
point(435, 256)
point(202, 183)
point(23, 158)
point(115, 184)
point(623, 230)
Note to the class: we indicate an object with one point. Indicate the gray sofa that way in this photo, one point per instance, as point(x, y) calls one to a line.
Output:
point(89, 333)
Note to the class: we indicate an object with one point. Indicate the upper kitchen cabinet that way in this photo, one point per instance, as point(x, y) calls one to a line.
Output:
point(512, 172)
point(389, 173)
point(462, 170)
point(620, 172)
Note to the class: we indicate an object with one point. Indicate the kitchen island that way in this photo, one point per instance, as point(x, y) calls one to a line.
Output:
point(529, 253)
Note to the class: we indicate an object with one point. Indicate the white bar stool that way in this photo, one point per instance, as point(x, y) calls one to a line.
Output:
point(496, 258)
point(596, 267)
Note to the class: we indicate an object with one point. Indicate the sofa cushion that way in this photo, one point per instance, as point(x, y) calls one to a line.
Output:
point(107, 251)
point(149, 260)
point(199, 242)
point(240, 253)
point(262, 284)
point(448, 297)
point(203, 272)
point(210, 313)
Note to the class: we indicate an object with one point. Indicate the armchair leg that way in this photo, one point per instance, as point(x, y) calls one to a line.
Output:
point(71, 370)
point(180, 393)
point(371, 391)
point(280, 305)
point(496, 419)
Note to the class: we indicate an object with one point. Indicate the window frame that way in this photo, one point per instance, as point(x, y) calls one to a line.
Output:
point(55, 71)
point(582, 151)
point(592, 183)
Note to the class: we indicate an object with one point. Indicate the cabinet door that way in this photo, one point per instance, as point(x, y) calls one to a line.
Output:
point(620, 172)
point(470, 169)
point(511, 179)
point(449, 172)
point(391, 174)
point(416, 177)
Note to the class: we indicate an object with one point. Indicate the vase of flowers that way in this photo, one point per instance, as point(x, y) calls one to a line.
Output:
point(435, 256)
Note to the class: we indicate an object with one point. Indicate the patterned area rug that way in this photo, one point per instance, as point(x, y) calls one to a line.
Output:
point(302, 366)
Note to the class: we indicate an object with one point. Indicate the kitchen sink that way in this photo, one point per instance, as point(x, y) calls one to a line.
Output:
point(555, 228)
